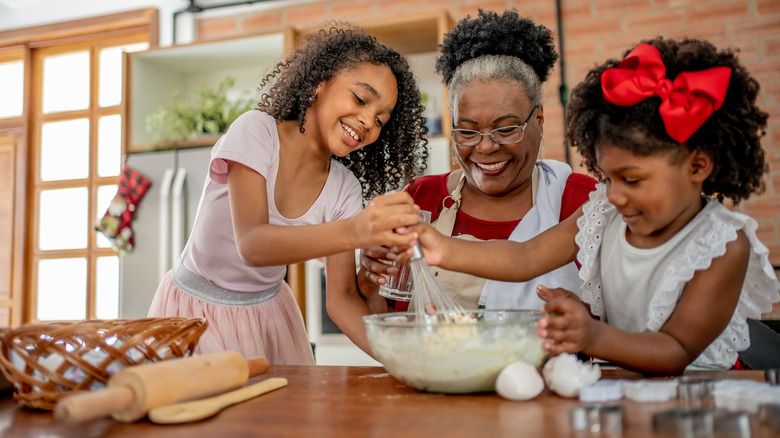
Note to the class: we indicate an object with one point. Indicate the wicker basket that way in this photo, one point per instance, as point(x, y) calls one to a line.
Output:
point(45, 361)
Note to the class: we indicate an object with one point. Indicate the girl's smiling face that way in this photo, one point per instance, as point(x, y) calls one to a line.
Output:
point(656, 194)
point(352, 107)
point(497, 169)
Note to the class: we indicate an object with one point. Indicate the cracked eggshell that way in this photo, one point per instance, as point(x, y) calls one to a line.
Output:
point(519, 381)
point(566, 375)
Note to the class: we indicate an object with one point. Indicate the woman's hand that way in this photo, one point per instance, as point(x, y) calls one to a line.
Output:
point(568, 326)
point(376, 263)
point(372, 275)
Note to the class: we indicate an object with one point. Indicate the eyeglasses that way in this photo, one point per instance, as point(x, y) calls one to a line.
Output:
point(504, 135)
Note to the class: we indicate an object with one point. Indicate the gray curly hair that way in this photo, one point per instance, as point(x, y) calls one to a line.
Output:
point(495, 67)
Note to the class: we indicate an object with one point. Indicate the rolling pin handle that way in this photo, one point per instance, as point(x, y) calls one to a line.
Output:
point(92, 405)
point(258, 365)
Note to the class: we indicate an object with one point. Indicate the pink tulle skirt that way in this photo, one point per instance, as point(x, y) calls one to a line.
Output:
point(273, 329)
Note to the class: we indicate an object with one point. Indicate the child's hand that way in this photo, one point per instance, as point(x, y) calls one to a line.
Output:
point(548, 295)
point(431, 241)
point(568, 326)
point(376, 224)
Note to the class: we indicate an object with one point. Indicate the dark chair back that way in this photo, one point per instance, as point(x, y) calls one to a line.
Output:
point(764, 350)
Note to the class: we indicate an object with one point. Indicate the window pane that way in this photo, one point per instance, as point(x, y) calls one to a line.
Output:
point(107, 287)
point(110, 79)
point(62, 289)
point(65, 150)
point(63, 219)
point(104, 196)
point(109, 145)
point(66, 82)
point(11, 88)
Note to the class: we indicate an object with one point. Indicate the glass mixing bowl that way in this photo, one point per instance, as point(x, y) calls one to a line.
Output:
point(454, 357)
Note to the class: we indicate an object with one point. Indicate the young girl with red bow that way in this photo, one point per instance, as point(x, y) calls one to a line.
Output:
point(669, 273)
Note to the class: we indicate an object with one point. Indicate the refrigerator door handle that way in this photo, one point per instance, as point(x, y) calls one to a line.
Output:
point(164, 259)
point(178, 214)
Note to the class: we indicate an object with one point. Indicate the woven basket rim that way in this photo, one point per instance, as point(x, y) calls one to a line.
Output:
point(58, 357)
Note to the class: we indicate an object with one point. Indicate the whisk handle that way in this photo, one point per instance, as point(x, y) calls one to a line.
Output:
point(417, 252)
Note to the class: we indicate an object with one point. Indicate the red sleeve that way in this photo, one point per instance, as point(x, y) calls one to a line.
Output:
point(576, 192)
point(428, 192)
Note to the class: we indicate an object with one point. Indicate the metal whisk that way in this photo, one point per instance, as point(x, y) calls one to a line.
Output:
point(429, 298)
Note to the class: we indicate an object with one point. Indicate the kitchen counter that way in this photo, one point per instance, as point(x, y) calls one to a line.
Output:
point(345, 402)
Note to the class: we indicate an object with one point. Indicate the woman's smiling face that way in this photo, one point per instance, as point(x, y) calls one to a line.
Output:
point(491, 168)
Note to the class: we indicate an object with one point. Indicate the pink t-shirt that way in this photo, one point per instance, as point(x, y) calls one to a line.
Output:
point(253, 141)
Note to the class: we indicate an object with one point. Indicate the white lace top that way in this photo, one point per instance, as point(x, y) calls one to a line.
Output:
point(657, 276)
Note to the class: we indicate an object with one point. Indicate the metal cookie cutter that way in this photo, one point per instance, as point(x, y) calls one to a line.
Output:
point(769, 414)
point(597, 419)
point(683, 422)
point(694, 387)
point(695, 391)
point(773, 376)
point(692, 422)
point(731, 424)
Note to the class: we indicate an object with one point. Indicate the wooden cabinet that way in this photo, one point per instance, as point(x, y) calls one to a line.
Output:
point(151, 78)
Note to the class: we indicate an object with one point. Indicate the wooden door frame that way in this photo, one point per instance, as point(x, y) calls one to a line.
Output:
point(27, 40)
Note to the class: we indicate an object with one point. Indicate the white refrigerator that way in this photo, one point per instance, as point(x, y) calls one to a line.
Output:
point(162, 222)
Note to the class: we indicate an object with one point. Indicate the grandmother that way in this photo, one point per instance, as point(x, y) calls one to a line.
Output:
point(493, 66)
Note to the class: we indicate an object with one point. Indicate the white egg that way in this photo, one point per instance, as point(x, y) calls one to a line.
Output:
point(519, 381)
point(566, 375)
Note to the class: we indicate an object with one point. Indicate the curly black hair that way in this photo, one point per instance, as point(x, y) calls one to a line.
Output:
point(731, 135)
point(492, 34)
point(400, 152)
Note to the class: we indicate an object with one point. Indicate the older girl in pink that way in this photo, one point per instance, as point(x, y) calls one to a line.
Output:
point(284, 186)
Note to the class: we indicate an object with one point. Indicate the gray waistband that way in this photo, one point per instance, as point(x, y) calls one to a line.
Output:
point(207, 291)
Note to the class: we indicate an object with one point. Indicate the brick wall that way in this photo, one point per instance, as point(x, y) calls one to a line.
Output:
point(594, 30)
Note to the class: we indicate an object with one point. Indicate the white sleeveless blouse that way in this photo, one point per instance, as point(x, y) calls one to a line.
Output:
point(637, 289)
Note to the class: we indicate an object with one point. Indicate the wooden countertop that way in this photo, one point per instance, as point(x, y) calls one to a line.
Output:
point(346, 402)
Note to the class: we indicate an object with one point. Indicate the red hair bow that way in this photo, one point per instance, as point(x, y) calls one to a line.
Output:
point(686, 102)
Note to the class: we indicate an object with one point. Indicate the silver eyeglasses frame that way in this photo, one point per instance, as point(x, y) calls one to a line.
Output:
point(522, 127)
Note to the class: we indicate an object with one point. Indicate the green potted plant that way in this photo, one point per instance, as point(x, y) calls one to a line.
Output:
point(209, 113)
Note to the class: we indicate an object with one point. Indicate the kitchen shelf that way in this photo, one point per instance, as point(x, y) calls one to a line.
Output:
point(152, 76)
point(418, 38)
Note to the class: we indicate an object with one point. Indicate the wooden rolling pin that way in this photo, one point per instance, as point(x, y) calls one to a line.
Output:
point(132, 392)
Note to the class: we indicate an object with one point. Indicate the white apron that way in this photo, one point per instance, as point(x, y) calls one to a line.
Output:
point(544, 214)
point(465, 288)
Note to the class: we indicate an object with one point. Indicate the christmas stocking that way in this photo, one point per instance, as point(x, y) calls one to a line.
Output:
point(115, 224)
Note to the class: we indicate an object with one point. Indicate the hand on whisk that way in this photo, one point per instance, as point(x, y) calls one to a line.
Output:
point(376, 224)
point(377, 262)
point(432, 242)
